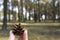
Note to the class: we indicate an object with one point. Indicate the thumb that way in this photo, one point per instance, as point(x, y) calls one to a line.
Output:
point(24, 36)
point(11, 36)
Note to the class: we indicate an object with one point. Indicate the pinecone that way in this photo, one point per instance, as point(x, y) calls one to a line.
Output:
point(18, 30)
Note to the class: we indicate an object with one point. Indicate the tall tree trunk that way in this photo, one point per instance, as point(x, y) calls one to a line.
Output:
point(4, 27)
point(29, 15)
point(39, 15)
point(54, 10)
point(35, 15)
point(38, 11)
point(21, 10)
point(25, 13)
point(12, 9)
point(9, 15)
point(14, 16)
point(58, 11)
point(14, 12)
point(19, 17)
point(26, 10)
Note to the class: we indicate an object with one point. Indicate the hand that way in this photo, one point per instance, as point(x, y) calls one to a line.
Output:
point(11, 36)
point(24, 36)
point(21, 37)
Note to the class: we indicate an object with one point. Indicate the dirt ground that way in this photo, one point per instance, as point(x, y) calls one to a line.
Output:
point(37, 33)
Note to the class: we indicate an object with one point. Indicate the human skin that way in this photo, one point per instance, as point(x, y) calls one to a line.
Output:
point(24, 36)
point(11, 35)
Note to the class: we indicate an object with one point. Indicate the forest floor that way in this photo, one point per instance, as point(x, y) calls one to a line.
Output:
point(37, 33)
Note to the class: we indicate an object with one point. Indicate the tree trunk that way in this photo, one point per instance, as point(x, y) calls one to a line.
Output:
point(14, 16)
point(58, 11)
point(29, 15)
point(4, 27)
point(14, 12)
point(9, 15)
point(21, 10)
point(12, 9)
point(38, 12)
point(54, 10)
point(19, 16)
point(25, 19)
point(35, 15)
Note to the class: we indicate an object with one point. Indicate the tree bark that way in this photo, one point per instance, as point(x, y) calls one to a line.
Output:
point(21, 10)
point(54, 10)
point(4, 27)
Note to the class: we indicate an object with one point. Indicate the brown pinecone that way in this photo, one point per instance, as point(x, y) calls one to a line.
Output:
point(18, 30)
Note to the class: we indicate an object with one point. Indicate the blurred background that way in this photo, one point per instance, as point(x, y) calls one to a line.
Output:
point(40, 17)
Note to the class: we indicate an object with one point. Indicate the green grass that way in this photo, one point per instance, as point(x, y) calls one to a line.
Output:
point(36, 33)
